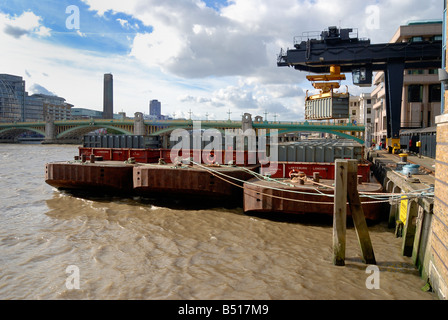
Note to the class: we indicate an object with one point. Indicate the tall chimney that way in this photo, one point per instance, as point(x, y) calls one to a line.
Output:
point(108, 98)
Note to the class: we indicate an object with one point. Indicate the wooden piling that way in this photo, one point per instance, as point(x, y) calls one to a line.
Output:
point(410, 227)
point(418, 235)
point(357, 212)
point(393, 212)
point(340, 212)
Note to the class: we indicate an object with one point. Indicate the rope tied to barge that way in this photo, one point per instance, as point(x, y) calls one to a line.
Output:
point(377, 197)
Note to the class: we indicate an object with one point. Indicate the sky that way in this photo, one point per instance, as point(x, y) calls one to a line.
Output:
point(215, 58)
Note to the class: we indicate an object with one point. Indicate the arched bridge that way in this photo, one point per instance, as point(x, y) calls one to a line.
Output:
point(73, 130)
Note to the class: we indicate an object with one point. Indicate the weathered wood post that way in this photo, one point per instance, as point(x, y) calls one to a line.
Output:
point(393, 213)
point(420, 223)
point(410, 226)
point(340, 212)
point(358, 213)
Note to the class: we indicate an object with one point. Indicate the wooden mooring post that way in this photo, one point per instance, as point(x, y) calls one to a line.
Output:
point(339, 212)
point(346, 190)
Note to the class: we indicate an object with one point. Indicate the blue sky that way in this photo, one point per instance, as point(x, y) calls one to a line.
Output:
point(205, 56)
point(111, 33)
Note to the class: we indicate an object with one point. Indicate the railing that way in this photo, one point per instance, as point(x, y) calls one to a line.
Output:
point(204, 123)
point(308, 35)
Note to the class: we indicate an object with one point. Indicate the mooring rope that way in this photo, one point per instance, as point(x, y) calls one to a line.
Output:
point(378, 197)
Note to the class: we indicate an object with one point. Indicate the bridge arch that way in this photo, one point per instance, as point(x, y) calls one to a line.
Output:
point(338, 133)
point(14, 132)
point(81, 130)
point(186, 127)
point(170, 129)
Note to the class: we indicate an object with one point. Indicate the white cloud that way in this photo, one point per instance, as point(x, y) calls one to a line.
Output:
point(83, 35)
point(77, 75)
point(199, 58)
point(37, 88)
point(43, 31)
point(26, 24)
point(193, 41)
point(124, 23)
point(103, 6)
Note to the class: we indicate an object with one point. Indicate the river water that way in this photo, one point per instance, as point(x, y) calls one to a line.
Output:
point(55, 245)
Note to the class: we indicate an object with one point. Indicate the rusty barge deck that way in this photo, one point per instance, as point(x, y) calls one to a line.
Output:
point(176, 181)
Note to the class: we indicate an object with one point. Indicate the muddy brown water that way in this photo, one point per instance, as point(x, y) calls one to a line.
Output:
point(137, 248)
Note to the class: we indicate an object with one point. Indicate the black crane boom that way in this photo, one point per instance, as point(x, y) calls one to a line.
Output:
point(359, 56)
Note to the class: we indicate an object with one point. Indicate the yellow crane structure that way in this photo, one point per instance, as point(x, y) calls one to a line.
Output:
point(328, 103)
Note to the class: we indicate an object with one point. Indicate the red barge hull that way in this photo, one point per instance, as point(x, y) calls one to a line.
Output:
point(145, 177)
point(198, 182)
point(263, 196)
point(259, 197)
point(107, 176)
point(112, 171)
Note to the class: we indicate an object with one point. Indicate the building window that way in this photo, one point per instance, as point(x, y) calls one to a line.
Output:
point(369, 110)
point(416, 39)
point(415, 93)
point(433, 71)
point(434, 93)
point(354, 112)
point(369, 101)
point(369, 120)
point(437, 38)
point(415, 71)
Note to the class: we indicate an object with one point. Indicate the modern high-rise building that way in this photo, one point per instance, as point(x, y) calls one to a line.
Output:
point(34, 108)
point(108, 98)
point(155, 109)
point(17, 105)
point(54, 107)
point(366, 117)
point(12, 98)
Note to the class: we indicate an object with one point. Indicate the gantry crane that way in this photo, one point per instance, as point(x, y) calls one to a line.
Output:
point(343, 50)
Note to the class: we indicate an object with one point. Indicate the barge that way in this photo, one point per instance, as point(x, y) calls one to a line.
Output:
point(101, 176)
point(193, 182)
point(301, 195)
point(151, 173)
point(283, 186)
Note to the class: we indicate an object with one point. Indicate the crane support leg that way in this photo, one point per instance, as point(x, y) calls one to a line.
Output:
point(394, 89)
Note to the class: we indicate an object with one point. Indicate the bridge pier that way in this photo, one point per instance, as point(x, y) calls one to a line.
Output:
point(139, 124)
point(246, 127)
point(247, 122)
point(51, 134)
point(50, 130)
